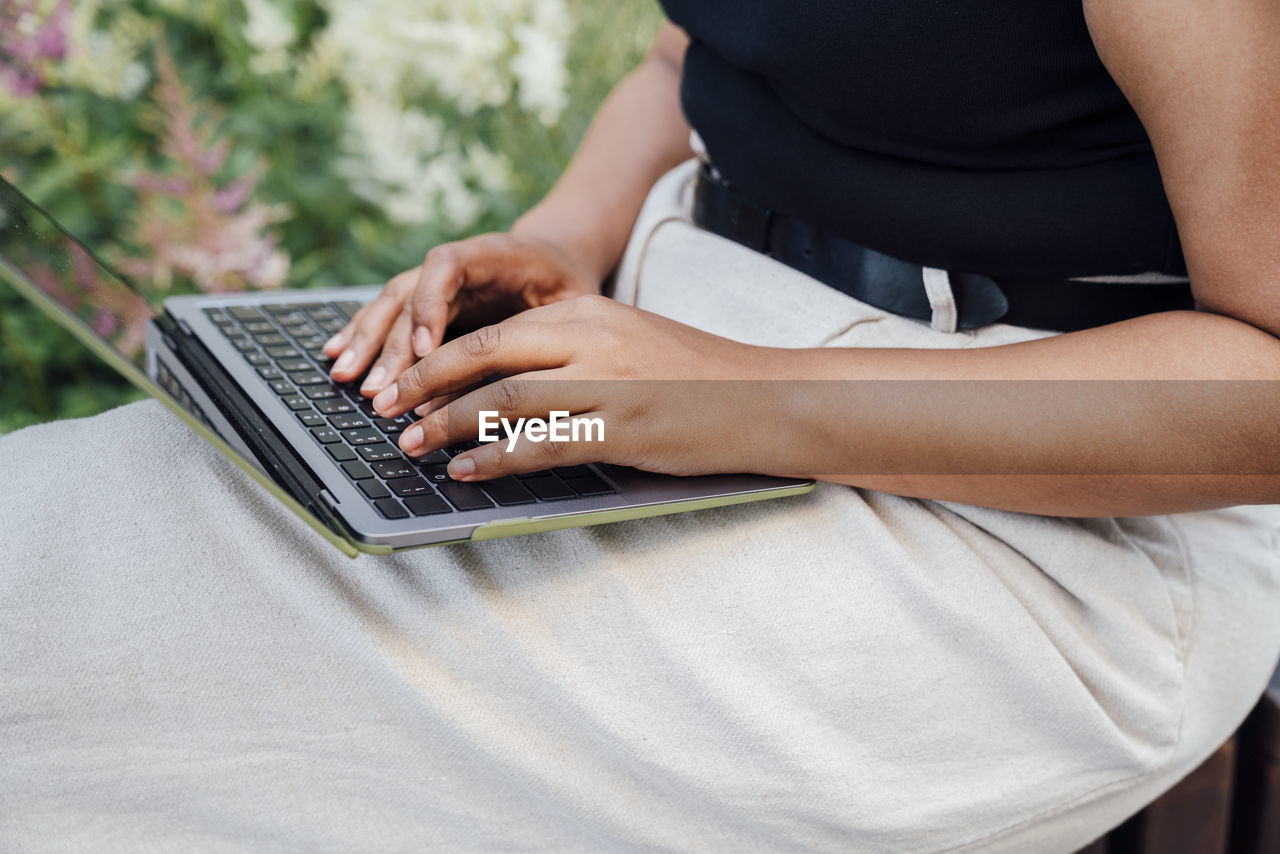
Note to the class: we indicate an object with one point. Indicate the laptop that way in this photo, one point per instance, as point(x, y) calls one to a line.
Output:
point(245, 371)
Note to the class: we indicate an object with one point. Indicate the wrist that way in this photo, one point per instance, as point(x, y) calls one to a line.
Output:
point(770, 410)
point(582, 250)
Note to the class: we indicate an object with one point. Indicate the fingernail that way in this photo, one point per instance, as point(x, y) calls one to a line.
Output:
point(339, 339)
point(461, 467)
point(421, 341)
point(345, 361)
point(373, 382)
point(411, 439)
point(386, 398)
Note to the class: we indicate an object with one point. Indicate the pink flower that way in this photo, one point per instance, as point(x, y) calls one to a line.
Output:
point(190, 224)
point(51, 39)
point(105, 323)
point(25, 54)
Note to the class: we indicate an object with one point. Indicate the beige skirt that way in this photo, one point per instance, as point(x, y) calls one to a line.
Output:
point(183, 665)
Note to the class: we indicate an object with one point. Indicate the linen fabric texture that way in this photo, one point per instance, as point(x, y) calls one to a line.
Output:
point(186, 666)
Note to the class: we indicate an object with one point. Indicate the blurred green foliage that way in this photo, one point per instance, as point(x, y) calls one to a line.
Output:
point(68, 145)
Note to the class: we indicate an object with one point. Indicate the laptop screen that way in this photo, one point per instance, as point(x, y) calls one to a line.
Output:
point(56, 272)
point(43, 257)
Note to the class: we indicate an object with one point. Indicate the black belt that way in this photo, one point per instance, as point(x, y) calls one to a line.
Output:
point(898, 286)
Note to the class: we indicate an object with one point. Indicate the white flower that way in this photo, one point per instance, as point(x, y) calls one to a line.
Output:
point(474, 54)
point(320, 64)
point(270, 33)
point(539, 68)
point(393, 54)
point(107, 61)
point(405, 161)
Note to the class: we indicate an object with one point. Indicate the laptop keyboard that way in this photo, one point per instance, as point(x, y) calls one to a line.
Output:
point(282, 342)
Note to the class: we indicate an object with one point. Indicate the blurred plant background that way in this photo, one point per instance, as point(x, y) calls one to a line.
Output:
point(220, 145)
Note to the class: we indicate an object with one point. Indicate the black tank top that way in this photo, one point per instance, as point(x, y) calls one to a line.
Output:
point(982, 136)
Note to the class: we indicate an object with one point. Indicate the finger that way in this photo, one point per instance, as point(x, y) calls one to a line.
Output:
point(432, 405)
point(397, 354)
point(531, 395)
point(338, 341)
point(506, 348)
point(369, 329)
point(493, 460)
point(445, 272)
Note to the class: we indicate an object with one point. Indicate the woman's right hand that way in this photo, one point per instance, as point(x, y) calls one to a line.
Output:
point(476, 281)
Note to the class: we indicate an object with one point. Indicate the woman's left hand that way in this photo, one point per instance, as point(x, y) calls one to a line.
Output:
point(672, 398)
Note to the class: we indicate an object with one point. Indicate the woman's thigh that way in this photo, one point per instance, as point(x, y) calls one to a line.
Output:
point(183, 663)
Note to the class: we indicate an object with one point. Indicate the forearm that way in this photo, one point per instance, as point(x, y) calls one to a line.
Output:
point(1112, 421)
point(638, 134)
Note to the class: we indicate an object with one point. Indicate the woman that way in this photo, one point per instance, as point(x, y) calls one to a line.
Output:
point(993, 642)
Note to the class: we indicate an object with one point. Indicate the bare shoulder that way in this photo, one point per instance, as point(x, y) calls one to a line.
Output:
point(1204, 77)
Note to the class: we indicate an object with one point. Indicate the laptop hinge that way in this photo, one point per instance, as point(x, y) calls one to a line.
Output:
point(273, 452)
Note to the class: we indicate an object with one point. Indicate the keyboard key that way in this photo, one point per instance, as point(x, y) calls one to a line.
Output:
point(321, 392)
point(283, 353)
point(573, 471)
point(507, 491)
point(534, 474)
point(349, 307)
point(434, 457)
point(367, 436)
point(460, 447)
point(217, 315)
point(348, 421)
point(357, 470)
point(270, 372)
point(378, 453)
point(296, 402)
point(394, 468)
point(590, 485)
point(281, 387)
point(436, 472)
point(333, 407)
point(465, 496)
point(320, 312)
point(302, 330)
point(246, 312)
point(427, 505)
point(407, 486)
point(270, 339)
point(550, 488)
point(244, 345)
point(257, 358)
point(374, 489)
point(390, 426)
point(311, 419)
point(312, 378)
point(282, 308)
point(326, 435)
point(341, 453)
point(290, 318)
point(390, 508)
point(293, 366)
point(332, 325)
point(312, 347)
point(258, 327)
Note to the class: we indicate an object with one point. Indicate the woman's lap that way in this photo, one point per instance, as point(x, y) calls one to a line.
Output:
point(185, 663)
